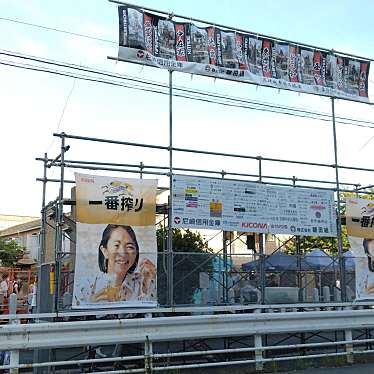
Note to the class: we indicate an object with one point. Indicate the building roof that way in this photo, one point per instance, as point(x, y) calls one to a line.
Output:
point(23, 227)
point(9, 220)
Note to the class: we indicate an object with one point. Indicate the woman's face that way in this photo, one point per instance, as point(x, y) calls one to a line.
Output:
point(120, 252)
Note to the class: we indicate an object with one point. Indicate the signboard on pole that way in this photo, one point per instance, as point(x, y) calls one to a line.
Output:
point(149, 39)
point(116, 249)
point(208, 203)
point(360, 228)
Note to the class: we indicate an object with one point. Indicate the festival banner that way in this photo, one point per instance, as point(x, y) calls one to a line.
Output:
point(360, 228)
point(116, 249)
point(223, 204)
point(150, 39)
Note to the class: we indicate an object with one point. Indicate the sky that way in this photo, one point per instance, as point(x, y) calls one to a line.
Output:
point(34, 105)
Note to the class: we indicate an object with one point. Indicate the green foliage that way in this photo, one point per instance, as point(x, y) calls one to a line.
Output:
point(192, 256)
point(183, 241)
point(10, 252)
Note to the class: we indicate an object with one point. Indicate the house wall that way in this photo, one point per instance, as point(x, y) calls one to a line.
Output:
point(28, 239)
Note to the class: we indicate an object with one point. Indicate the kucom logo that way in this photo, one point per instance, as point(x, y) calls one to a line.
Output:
point(254, 225)
point(140, 54)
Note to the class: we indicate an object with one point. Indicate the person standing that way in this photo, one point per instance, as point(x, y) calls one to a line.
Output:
point(3, 291)
point(4, 285)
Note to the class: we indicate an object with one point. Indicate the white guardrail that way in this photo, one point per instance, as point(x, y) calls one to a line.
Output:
point(15, 336)
point(70, 334)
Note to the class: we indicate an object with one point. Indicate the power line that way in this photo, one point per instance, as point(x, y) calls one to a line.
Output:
point(366, 143)
point(57, 30)
point(147, 89)
point(63, 111)
point(162, 89)
point(182, 89)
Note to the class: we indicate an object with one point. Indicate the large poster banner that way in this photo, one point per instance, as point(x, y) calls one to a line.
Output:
point(360, 217)
point(360, 228)
point(207, 203)
point(116, 249)
point(363, 253)
point(150, 39)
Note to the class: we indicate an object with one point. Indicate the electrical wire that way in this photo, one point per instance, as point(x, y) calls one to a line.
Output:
point(183, 89)
point(366, 143)
point(193, 95)
point(63, 112)
point(56, 30)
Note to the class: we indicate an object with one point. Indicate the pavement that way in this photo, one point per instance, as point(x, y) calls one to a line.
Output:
point(353, 369)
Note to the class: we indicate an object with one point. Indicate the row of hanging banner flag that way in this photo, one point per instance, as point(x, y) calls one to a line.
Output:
point(150, 39)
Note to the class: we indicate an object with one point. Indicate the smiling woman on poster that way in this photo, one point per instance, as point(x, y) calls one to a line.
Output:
point(118, 252)
point(123, 276)
point(118, 256)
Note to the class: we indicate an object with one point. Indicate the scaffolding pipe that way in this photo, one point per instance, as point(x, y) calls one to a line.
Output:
point(170, 217)
point(294, 179)
point(59, 225)
point(338, 210)
point(177, 149)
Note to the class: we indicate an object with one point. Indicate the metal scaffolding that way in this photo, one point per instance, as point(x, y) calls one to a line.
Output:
point(170, 169)
point(62, 163)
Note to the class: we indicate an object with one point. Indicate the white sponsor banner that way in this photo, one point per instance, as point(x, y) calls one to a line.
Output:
point(207, 203)
point(363, 252)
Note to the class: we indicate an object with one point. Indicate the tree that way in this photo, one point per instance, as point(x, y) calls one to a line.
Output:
point(192, 256)
point(10, 252)
point(183, 241)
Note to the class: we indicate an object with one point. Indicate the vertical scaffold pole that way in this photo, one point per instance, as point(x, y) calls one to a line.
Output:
point(261, 245)
point(338, 214)
point(41, 253)
point(59, 224)
point(298, 258)
point(170, 276)
point(226, 238)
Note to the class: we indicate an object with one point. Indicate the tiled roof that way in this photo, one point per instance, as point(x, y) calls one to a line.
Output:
point(23, 227)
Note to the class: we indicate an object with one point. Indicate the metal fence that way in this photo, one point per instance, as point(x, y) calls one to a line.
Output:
point(212, 337)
